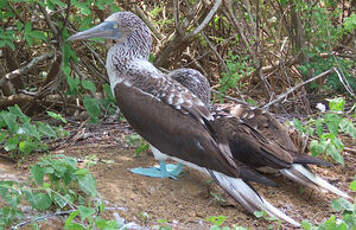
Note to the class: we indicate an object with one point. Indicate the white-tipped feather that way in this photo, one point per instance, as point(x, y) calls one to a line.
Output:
point(302, 175)
point(248, 198)
point(236, 187)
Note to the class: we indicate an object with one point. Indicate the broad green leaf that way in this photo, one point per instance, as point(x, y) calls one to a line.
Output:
point(332, 121)
point(18, 112)
point(107, 224)
point(340, 204)
point(353, 186)
point(92, 107)
point(348, 127)
point(81, 172)
point(11, 143)
point(40, 201)
point(31, 130)
point(87, 184)
point(68, 224)
point(337, 104)
point(89, 85)
point(37, 173)
point(46, 130)
point(332, 151)
point(73, 84)
point(38, 34)
point(316, 148)
point(62, 201)
point(27, 146)
point(10, 120)
point(85, 212)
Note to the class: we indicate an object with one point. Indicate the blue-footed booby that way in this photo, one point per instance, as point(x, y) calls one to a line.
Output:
point(176, 123)
point(255, 137)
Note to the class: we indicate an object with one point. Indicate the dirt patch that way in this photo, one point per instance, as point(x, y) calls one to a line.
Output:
point(187, 202)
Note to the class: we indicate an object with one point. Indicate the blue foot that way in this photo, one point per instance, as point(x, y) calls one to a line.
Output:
point(162, 171)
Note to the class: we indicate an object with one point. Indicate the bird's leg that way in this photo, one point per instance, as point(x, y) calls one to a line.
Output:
point(163, 171)
point(175, 170)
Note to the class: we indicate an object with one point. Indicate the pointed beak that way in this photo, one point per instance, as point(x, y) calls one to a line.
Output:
point(107, 30)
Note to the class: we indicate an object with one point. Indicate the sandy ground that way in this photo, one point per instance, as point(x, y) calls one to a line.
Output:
point(187, 202)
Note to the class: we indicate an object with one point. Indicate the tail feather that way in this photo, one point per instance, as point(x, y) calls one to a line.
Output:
point(247, 197)
point(300, 174)
point(305, 159)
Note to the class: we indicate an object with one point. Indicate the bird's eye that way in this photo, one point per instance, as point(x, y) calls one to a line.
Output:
point(115, 26)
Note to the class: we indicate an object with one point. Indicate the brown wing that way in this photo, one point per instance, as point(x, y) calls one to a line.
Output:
point(177, 134)
point(260, 139)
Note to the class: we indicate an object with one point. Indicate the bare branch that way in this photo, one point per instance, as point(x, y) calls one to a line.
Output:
point(283, 95)
point(207, 19)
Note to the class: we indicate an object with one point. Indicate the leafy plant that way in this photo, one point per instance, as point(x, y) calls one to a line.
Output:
point(20, 135)
point(326, 130)
point(238, 67)
point(218, 222)
point(56, 182)
point(348, 211)
point(137, 142)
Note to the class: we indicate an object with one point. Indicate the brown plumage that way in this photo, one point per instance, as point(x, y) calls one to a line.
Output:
point(170, 117)
point(257, 139)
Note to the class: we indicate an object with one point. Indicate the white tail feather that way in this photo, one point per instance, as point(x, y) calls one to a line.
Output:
point(302, 175)
point(248, 198)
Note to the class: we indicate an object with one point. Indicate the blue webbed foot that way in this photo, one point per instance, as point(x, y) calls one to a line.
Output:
point(163, 171)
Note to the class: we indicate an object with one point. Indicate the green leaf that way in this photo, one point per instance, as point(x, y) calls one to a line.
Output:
point(298, 125)
point(316, 148)
point(56, 116)
point(92, 107)
point(341, 204)
point(89, 85)
point(85, 212)
point(347, 126)
point(11, 143)
point(332, 121)
point(87, 184)
point(10, 120)
point(18, 112)
point(353, 186)
point(82, 172)
point(62, 201)
point(319, 127)
point(31, 130)
point(337, 104)
point(58, 3)
point(108, 92)
point(38, 34)
point(40, 201)
point(73, 84)
point(332, 151)
point(37, 173)
point(46, 130)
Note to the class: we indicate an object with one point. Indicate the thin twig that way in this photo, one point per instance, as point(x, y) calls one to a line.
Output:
point(283, 95)
point(230, 98)
point(206, 19)
point(62, 213)
point(344, 82)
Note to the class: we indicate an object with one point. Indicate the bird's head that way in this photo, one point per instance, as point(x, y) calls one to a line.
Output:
point(120, 27)
point(194, 81)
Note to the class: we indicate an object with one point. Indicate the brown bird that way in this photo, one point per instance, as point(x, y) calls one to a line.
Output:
point(176, 123)
point(255, 137)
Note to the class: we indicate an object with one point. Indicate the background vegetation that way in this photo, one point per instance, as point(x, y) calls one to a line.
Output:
point(260, 52)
